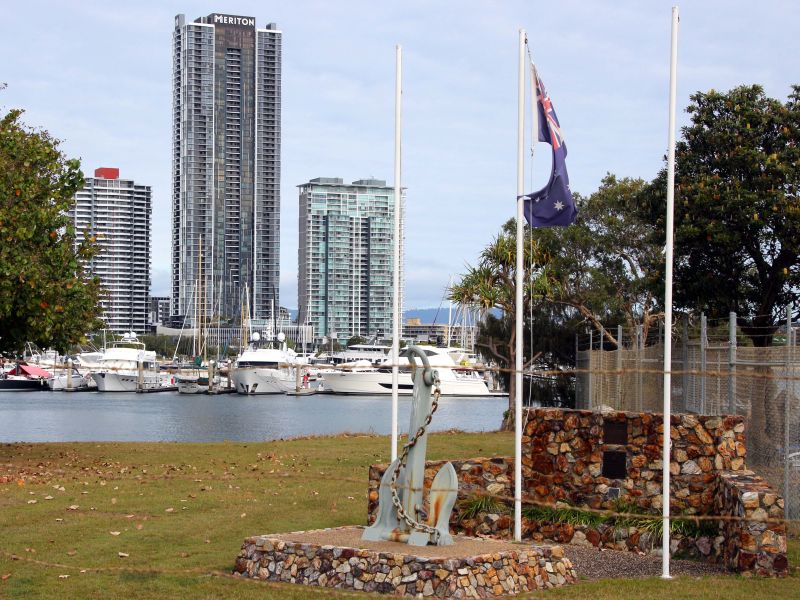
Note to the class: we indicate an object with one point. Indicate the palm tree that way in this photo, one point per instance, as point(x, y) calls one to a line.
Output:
point(492, 285)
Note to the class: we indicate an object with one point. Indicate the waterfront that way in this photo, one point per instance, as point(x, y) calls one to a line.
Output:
point(172, 417)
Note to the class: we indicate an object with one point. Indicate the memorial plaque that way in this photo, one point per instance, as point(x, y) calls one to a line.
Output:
point(614, 466)
point(615, 432)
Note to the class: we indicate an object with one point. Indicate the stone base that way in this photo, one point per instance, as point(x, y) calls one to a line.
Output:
point(338, 558)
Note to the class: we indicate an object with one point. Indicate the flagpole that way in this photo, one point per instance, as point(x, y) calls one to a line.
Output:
point(518, 310)
point(666, 458)
point(396, 265)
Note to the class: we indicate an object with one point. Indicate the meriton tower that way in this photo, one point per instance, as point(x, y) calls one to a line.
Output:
point(226, 142)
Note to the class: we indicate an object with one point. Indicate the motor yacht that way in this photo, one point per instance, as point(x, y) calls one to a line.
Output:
point(119, 368)
point(265, 367)
point(456, 380)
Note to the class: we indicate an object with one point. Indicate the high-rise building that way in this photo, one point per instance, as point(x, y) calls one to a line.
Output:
point(158, 313)
point(226, 142)
point(346, 256)
point(117, 213)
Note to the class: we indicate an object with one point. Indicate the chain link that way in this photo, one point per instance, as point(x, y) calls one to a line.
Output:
point(401, 513)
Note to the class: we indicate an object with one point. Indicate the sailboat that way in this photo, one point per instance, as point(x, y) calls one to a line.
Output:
point(198, 381)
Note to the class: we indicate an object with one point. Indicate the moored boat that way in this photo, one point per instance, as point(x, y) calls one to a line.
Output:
point(24, 378)
point(456, 380)
point(265, 368)
point(120, 370)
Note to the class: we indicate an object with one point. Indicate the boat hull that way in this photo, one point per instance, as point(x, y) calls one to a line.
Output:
point(261, 381)
point(128, 382)
point(22, 384)
point(375, 383)
point(61, 383)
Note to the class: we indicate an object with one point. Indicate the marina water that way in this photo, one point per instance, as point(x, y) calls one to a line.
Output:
point(171, 417)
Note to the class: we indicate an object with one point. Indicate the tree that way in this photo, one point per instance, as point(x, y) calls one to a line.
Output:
point(737, 216)
point(600, 271)
point(492, 285)
point(46, 297)
point(607, 265)
point(356, 339)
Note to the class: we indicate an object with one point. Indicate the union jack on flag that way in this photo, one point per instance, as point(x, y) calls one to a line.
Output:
point(556, 137)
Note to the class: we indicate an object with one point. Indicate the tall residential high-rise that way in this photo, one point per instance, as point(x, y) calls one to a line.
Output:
point(346, 256)
point(226, 143)
point(117, 213)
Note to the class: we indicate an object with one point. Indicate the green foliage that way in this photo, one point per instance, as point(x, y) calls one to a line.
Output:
point(604, 266)
point(563, 515)
point(471, 507)
point(356, 339)
point(630, 515)
point(737, 215)
point(599, 272)
point(46, 297)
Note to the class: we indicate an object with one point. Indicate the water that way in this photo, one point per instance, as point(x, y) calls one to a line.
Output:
point(173, 417)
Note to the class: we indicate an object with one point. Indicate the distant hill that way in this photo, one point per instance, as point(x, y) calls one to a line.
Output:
point(427, 315)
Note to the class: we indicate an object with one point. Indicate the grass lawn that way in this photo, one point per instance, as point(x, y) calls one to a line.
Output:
point(100, 520)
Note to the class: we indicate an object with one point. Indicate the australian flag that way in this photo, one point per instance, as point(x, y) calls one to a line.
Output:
point(553, 205)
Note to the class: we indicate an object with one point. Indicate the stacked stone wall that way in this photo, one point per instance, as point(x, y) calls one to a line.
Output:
point(756, 544)
point(564, 453)
point(562, 464)
point(404, 574)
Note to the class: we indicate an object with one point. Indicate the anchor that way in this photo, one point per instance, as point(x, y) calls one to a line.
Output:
point(400, 497)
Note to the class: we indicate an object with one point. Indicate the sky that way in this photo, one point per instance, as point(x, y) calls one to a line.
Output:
point(97, 75)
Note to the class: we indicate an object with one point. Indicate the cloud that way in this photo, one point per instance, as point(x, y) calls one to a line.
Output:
point(98, 76)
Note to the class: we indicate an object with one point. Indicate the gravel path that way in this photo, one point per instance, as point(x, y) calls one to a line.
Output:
point(595, 564)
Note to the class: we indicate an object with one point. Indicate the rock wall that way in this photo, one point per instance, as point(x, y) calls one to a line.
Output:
point(565, 460)
point(755, 546)
point(567, 456)
point(401, 574)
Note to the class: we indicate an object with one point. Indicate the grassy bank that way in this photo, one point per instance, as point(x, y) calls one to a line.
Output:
point(97, 520)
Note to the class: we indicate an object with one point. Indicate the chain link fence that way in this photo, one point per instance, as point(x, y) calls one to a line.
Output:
point(715, 371)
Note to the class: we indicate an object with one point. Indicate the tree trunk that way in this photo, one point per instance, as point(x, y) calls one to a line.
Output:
point(509, 415)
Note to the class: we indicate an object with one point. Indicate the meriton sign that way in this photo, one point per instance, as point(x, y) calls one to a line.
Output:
point(234, 20)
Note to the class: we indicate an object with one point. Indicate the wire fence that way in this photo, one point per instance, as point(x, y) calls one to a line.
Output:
point(715, 370)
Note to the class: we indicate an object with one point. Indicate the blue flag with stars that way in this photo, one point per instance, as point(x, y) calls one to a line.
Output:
point(553, 205)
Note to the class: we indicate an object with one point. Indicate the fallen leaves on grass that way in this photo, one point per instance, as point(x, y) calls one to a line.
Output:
point(123, 554)
point(114, 532)
point(73, 507)
point(63, 576)
point(170, 510)
point(5, 577)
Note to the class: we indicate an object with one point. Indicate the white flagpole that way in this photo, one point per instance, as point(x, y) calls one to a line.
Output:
point(665, 462)
point(396, 262)
point(518, 310)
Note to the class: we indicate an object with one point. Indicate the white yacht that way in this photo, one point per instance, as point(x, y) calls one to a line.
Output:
point(265, 369)
point(372, 352)
point(456, 380)
point(69, 380)
point(119, 367)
